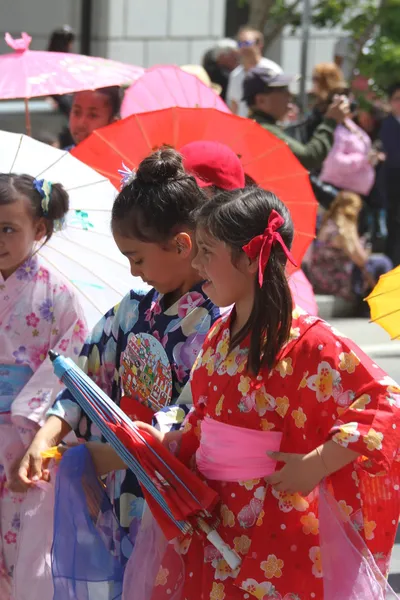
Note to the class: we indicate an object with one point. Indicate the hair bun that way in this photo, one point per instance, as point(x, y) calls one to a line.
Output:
point(161, 166)
point(59, 202)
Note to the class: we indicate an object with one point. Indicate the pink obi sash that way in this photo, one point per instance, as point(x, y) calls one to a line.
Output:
point(230, 453)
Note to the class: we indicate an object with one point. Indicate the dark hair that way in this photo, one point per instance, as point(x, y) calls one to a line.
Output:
point(236, 218)
point(60, 39)
point(114, 98)
point(114, 95)
point(393, 89)
point(12, 186)
point(159, 200)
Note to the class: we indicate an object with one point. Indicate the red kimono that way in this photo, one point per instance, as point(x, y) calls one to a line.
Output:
point(323, 387)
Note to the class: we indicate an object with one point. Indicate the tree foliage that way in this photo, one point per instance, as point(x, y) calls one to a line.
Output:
point(373, 25)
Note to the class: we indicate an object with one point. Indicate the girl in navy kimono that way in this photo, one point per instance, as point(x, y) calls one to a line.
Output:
point(153, 228)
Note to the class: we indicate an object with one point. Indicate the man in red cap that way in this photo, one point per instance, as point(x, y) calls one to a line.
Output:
point(214, 165)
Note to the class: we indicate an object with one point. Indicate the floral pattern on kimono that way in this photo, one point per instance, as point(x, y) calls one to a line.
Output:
point(322, 387)
point(38, 312)
point(181, 329)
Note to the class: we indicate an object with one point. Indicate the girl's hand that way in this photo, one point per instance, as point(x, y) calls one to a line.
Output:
point(171, 439)
point(32, 468)
point(152, 430)
point(301, 473)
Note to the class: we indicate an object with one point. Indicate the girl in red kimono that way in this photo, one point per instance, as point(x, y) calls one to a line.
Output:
point(316, 517)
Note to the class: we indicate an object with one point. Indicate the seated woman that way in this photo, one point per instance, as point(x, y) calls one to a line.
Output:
point(341, 264)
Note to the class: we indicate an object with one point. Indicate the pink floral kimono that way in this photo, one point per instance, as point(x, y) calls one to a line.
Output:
point(38, 311)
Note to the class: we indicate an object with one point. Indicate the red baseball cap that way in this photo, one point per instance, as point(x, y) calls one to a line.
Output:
point(213, 163)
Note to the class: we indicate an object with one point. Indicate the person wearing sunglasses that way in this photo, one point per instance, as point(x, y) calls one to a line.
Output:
point(250, 44)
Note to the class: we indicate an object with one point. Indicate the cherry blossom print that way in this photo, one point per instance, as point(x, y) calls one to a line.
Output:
point(37, 355)
point(46, 310)
point(10, 537)
point(32, 320)
point(21, 355)
point(64, 345)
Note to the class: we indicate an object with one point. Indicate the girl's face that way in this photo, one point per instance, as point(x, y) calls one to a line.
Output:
point(18, 233)
point(226, 283)
point(165, 267)
point(90, 110)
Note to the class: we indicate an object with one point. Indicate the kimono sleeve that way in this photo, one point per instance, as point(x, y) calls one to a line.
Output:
point(344, 384)
point(67, 333)
point(100, 341)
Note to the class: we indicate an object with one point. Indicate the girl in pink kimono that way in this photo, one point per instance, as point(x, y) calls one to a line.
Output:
point(38, 311)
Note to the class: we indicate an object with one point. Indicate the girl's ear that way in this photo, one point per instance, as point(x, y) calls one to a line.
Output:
point(41, 230)
point(252, 264)
point(183, 244)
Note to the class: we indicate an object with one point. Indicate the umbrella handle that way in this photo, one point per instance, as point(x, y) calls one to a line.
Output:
point(232, 559)
point(27, 118)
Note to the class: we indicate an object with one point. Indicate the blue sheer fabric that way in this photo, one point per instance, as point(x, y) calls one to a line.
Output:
point(90, 549)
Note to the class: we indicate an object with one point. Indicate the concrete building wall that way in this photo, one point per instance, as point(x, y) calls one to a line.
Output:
point(148, 32)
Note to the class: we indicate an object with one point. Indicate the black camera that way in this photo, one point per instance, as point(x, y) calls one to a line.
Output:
point(353, 106)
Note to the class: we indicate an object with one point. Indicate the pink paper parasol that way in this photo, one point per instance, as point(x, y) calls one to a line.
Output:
point(167, 86)
point(32, 73)
point(303, 293)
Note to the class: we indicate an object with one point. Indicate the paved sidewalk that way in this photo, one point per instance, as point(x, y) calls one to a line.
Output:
point(369, 336)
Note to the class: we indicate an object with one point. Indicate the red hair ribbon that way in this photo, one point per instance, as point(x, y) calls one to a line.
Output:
point(261, 245)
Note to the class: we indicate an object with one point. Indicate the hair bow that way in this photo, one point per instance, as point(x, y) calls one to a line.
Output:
point(128, 175)
point(44, 188)
point(261, 245)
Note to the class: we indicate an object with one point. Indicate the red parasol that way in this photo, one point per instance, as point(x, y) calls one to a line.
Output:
point(265, 158)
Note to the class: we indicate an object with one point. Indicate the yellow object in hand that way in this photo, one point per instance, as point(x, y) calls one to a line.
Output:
point(53, 452)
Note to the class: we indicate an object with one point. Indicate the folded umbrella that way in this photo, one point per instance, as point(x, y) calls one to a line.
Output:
point(178, 499)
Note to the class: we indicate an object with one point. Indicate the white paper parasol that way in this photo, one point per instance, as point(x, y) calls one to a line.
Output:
point(84, 252)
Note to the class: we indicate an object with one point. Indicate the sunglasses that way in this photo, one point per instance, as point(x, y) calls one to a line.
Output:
point(247, 44)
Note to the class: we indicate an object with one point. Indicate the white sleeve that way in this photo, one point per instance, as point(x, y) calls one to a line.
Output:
point(232, 93)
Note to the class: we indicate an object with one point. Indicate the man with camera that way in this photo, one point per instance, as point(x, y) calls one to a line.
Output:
point(267, 95)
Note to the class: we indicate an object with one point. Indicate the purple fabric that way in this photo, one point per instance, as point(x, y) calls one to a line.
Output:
point(349, 568)
point(90, 549)
point(152, 556)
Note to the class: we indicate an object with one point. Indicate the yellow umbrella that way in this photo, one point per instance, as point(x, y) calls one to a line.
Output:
point(384, 302)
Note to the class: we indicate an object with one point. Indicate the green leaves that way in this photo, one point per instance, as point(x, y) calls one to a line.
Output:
point(374, 25)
